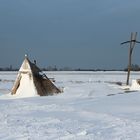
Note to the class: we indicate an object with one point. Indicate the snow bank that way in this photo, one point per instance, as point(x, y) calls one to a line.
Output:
point(135, 85)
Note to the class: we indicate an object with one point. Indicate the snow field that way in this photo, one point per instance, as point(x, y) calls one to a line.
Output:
point(83, 112)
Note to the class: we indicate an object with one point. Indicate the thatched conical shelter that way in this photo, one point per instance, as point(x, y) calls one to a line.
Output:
point(31, 81)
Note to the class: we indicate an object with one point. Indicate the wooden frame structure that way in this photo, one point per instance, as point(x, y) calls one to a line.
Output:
point(132, 43)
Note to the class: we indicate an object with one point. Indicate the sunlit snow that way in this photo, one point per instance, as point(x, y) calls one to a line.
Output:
point(92, 107)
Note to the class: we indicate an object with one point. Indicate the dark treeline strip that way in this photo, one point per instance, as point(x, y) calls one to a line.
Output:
point(50, 68)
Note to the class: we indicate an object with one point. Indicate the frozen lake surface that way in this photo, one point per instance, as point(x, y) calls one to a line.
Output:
point(84, 111)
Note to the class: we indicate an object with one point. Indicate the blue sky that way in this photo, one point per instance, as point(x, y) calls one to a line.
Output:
point(72, 33)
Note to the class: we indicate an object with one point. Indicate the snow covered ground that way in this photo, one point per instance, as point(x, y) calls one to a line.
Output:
point(92, 107)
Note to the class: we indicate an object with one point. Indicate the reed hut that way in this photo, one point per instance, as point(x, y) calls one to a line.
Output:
point(32, 81)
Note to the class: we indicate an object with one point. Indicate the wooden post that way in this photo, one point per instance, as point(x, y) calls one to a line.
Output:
point(129, 60)
point(131, 47)
point(129, 65)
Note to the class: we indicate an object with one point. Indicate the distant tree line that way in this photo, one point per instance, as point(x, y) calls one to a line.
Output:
point(10, 68)
point(134, 67)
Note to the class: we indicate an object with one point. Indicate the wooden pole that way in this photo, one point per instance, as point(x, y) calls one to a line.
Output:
point(132, 42)
point(129, 59)
point(129, 65)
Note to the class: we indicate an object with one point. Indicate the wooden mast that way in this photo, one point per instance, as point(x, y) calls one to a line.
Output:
point(132, 42)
